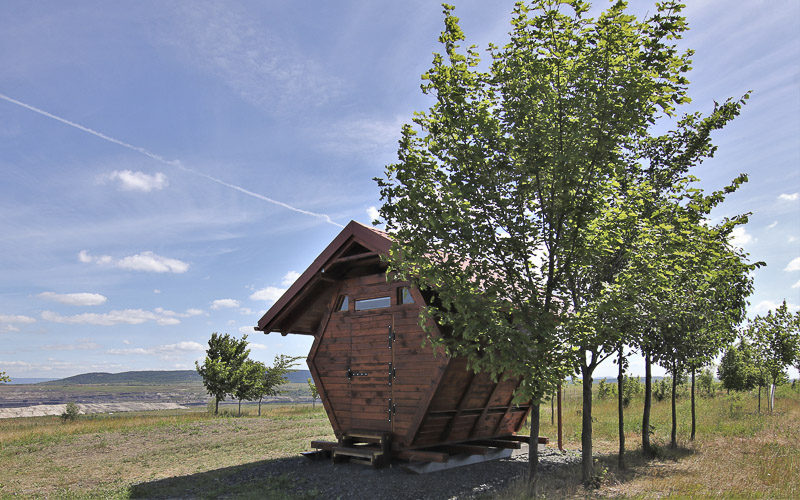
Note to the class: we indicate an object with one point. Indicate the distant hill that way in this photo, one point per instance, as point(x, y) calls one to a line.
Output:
point(20, 381)
point(150, 378)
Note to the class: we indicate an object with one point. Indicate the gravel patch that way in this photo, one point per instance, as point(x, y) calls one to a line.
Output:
point(357, 482)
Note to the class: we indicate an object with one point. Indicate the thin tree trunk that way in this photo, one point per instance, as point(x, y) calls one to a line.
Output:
point(694, 419)
point(587, 466)
point(240, 407)
point(560, 421)
point(259, 406)
point(759, 397)
point(533, 451)
point(673, 435)
point(216, 405)
point(620, 406)
point(772, 397)
point(648, 397)
point(552, 409)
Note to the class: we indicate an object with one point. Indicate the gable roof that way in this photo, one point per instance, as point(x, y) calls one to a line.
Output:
point(356, 250)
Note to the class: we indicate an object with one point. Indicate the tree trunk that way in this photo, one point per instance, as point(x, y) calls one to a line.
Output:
point(552, 409)
point(587, 466)
point(694, 417)
point(259, 406)
point(673, 435)
point(216, 405)
point(533, 451)
point(759, 397)
point(772, 396)
point(648, 397)
point(240, 407)
point(560, 422)
point(620, 406)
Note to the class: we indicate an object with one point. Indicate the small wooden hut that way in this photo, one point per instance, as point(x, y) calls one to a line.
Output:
point(386, 395)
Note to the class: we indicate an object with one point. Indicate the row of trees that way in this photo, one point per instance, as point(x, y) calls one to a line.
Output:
point(228, 371)
point(768, 345)
point(534, 199)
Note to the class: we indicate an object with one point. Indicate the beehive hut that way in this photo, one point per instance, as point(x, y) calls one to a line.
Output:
point(379, 385)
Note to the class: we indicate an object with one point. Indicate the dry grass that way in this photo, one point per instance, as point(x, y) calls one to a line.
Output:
point(103, 457)
point(738, 452)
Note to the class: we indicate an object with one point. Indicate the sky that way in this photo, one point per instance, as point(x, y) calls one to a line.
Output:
point(169, 168)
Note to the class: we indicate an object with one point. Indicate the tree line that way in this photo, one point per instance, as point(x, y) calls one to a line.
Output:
point(555, 227)
point(228, 371)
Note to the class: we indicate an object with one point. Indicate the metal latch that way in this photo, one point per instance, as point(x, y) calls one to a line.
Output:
point(350, 374)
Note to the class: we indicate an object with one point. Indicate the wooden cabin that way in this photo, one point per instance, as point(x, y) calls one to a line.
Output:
point(376, 380)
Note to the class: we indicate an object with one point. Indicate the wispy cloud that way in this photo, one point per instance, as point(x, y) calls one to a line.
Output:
point(166, 351)
point(145, 261)
point(224, 304)
point(269, 294)
point(740, 237)
point(75, 299)
point(159, 316)
point(365, 137)
point(796, 285)
point(80, 345)
point(772, 225)
point(257, 65)
point(8, 322)
point(789, 197)
point(290, 278)
point(793, 265)
point(767, 305)
point(128, 180)
point(172, 163)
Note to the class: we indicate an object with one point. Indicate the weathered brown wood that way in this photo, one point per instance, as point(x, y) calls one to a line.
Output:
point(498, 443)
point(453, 449)
point(423, 456)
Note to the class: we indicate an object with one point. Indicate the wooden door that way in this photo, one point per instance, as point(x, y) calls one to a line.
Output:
point(371, 372)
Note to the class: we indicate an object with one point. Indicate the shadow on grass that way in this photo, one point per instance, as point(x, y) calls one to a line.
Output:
point(253, 480)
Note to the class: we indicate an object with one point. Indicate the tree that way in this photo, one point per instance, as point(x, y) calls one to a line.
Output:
point(4, 378)
point(736, 369)
point(314, 393)
point(224, 357)
point(247, 382)
point(272, 377)
point(495, 192)
point(776, 341)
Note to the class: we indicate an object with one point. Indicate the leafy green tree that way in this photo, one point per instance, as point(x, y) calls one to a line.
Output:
point(224, 358)
point(776, 341)
point(705, 380)
point(247, 381)
point(71, 413)
point(737, 370)
point(4, 378)
point(272, 377)
point(496, 189)
point(314, 393)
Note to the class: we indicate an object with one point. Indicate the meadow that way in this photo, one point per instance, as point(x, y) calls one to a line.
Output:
point(738, 453)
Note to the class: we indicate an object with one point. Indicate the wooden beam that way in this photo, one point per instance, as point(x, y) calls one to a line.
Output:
point(485, 409)
point(467, 449)
point(352, 258)
point(498, 443)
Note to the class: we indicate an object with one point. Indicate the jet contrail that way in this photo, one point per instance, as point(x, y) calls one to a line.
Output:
point(172, 163)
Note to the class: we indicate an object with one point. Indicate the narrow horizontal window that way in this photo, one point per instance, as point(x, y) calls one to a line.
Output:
point(376, 303)
point(404, 296)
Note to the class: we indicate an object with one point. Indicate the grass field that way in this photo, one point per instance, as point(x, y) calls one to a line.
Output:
point(737, 454)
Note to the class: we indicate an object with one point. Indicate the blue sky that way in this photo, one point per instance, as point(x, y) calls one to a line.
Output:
point(169, 168)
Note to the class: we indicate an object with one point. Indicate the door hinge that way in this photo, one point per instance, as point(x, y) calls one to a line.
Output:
point(392, 373)
point(392, 409)
point(391, 336)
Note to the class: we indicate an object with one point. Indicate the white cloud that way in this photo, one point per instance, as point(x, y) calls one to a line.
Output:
point(75, 299)
point(796, 285)
point(789, 197)
point(4, 318)
point(794, 265)
point(254, 345)
point(156, 291)
point(268, 295)
point(772, 225)
point(248, 330)
point(145, 261)
point(290, 278)
point(128, 180)
point(81, 345)
point(167, 351)
point(123, 317)
point(373, 213)
point(767, 305)
point(245, 311)
point(740, 237)
point(365, 137)
point(8, 329)
point(224, 303)
point(126, 342)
